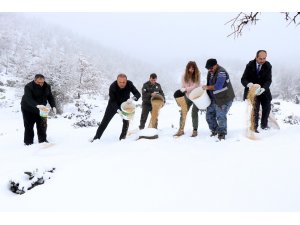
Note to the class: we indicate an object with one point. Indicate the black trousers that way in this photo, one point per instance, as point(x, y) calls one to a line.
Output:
point(29, 120)
point(108, 115)
point(265, 103)
point(146, 108)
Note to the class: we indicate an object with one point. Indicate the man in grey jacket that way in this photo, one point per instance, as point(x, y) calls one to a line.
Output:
point(150, 89)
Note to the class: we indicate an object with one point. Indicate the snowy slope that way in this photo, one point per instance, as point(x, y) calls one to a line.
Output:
point(165, 174)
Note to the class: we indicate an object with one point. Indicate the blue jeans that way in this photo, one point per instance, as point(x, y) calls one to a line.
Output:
point(216, 117)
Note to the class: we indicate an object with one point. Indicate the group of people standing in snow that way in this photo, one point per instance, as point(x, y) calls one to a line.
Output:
point(218, 87)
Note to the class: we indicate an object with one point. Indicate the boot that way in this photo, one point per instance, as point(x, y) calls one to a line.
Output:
point(195, 133)
point(213, 133)
point(221, 136)
point(179, 133)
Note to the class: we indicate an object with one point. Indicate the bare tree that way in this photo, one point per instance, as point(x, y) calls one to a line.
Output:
point(242, 19)
point(291, 18)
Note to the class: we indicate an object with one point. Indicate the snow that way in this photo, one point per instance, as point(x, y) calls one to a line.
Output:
point(162, 175)
point(147, 132)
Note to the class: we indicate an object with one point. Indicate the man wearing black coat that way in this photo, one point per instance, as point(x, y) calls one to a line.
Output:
point(259, 71)
point(36, 93)
point(119, 92)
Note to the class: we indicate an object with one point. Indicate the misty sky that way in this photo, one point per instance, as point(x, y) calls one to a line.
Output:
point(162, 37)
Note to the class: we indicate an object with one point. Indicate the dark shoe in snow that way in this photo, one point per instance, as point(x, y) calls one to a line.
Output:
point(122, 137)
point(194, 134)
point(213, 133)
point(93, 139)
point(221, 136)
point(265, 128)
point(27, 144)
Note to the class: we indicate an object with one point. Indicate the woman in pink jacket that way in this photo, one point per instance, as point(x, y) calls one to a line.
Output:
point(190, 81)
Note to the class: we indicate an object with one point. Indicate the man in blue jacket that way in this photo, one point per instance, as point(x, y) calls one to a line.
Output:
point(221, 93)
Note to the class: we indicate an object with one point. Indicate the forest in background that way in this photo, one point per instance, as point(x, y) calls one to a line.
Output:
point(74, 65)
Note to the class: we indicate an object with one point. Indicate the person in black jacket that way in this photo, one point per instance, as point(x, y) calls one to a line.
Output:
point(259, 71)
point(119, 92)
point(36, 94)
point(149, 89)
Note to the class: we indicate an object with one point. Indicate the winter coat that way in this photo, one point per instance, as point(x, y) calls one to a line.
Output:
point(263, 78)
point(189, 86)
point(35, 95)
point(223, 95)
point(148, 89)
point(117, 95)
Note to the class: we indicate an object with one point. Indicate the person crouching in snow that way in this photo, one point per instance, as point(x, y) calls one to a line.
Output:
point(119, 92)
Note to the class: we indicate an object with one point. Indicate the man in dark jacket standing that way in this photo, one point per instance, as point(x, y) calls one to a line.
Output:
point(119, 92)
point(36, 94)
point(150, 89)
point(221, 93)
point(259, 71)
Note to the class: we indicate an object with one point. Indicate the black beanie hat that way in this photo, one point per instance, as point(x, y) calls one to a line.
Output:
point(210, 63)
point(178, 94)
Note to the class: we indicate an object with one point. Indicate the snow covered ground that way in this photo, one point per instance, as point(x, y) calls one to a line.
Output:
point(162, 175)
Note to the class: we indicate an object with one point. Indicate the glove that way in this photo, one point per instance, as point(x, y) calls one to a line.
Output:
point(249, 85)
point(129, 101)
point(182, 90)
point(43, 108)
point(259, 91)
point(40, 106)
point(134, 98)
point(54, 110)
point(154, 93)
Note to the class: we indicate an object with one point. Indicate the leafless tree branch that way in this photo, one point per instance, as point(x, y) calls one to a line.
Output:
point(240, 21)
point(291, 19)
